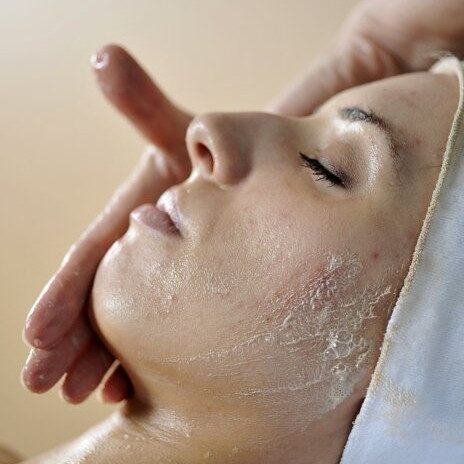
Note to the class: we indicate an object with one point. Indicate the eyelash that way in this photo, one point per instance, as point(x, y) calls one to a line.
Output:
point(320, 171)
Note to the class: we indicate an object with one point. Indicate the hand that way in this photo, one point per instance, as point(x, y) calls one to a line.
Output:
point(58, 327)
point(380, 39)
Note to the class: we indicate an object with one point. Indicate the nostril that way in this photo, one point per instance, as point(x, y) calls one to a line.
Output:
point(205, 156)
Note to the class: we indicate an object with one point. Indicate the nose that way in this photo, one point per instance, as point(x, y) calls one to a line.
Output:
point(220, 146)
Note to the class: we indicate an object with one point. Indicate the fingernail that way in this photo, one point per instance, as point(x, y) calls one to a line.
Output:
point(23, 336)
point(38, 343)
point(23, 378)
point(29, 357)
point(100, 396)
point(63, 396)
point(34, 382)
point(35, 342)
point(99, 59)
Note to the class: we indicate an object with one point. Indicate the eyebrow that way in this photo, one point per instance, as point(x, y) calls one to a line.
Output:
point(356, 114)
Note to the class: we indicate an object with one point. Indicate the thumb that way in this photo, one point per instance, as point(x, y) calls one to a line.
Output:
point(348, 64)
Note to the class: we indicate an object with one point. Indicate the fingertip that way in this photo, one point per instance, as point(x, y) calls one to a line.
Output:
point(47, 322)
point(35, 383)
point(102, 57)
point(117, 386)
point(70, 391)
point(86, 374)
point(69, 398)
point(26, 378)
point(99, 59)
point(30, 328)
point(24, 337)
point(23, 378)
point(112, 58)
point(111, 396)
point(39, 341)
point(105, 399)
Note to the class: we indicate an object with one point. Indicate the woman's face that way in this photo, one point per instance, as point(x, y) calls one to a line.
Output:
point(295, 237)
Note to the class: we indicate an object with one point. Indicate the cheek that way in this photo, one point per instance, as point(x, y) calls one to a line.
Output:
point(299, 346)
point(258, 316)
point(136, 297)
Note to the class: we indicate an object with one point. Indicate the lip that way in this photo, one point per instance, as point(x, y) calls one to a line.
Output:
point(155, 218)
point(168, 204)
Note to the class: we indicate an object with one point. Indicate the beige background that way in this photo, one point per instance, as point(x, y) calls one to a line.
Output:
point(63, 150)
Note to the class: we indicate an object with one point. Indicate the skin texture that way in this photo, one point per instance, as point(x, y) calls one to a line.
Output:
point(379, 39)
point(251, 337)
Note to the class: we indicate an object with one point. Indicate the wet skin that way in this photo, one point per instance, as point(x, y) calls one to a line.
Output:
point(252, 335)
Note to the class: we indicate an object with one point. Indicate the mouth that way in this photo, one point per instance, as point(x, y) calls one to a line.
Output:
point(167, 203)
point(154, 218)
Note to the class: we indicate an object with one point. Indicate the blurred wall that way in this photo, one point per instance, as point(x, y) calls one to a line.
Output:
point(63, 149)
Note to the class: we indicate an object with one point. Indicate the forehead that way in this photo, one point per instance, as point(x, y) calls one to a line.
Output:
point(419, 107)
point(412, 92)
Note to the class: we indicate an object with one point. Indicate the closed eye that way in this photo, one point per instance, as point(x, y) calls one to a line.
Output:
point(320, 171)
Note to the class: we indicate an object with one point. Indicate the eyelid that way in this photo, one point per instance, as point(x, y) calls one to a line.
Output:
point(325, 170)
point(346, 180)
point(331, 168)
point(368, 145)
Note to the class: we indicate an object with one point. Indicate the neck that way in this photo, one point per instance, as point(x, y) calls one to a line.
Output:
point(139, 433)
point(169, 427)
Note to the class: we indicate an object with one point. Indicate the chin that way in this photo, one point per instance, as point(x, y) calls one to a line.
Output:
point(141, 305)
point(119, 302)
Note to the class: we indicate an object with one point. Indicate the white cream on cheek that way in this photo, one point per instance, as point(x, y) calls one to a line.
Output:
point(305, 349)
point(296, 332)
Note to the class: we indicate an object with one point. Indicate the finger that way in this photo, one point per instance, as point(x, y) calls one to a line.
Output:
point(85, 375)
point(117, 387)
point(44, 368)
point(355, 62)
point(131, 90)
point(65, 294)
point(63, 297)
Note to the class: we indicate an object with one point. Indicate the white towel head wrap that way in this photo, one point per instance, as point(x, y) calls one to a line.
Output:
point(414, 407)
